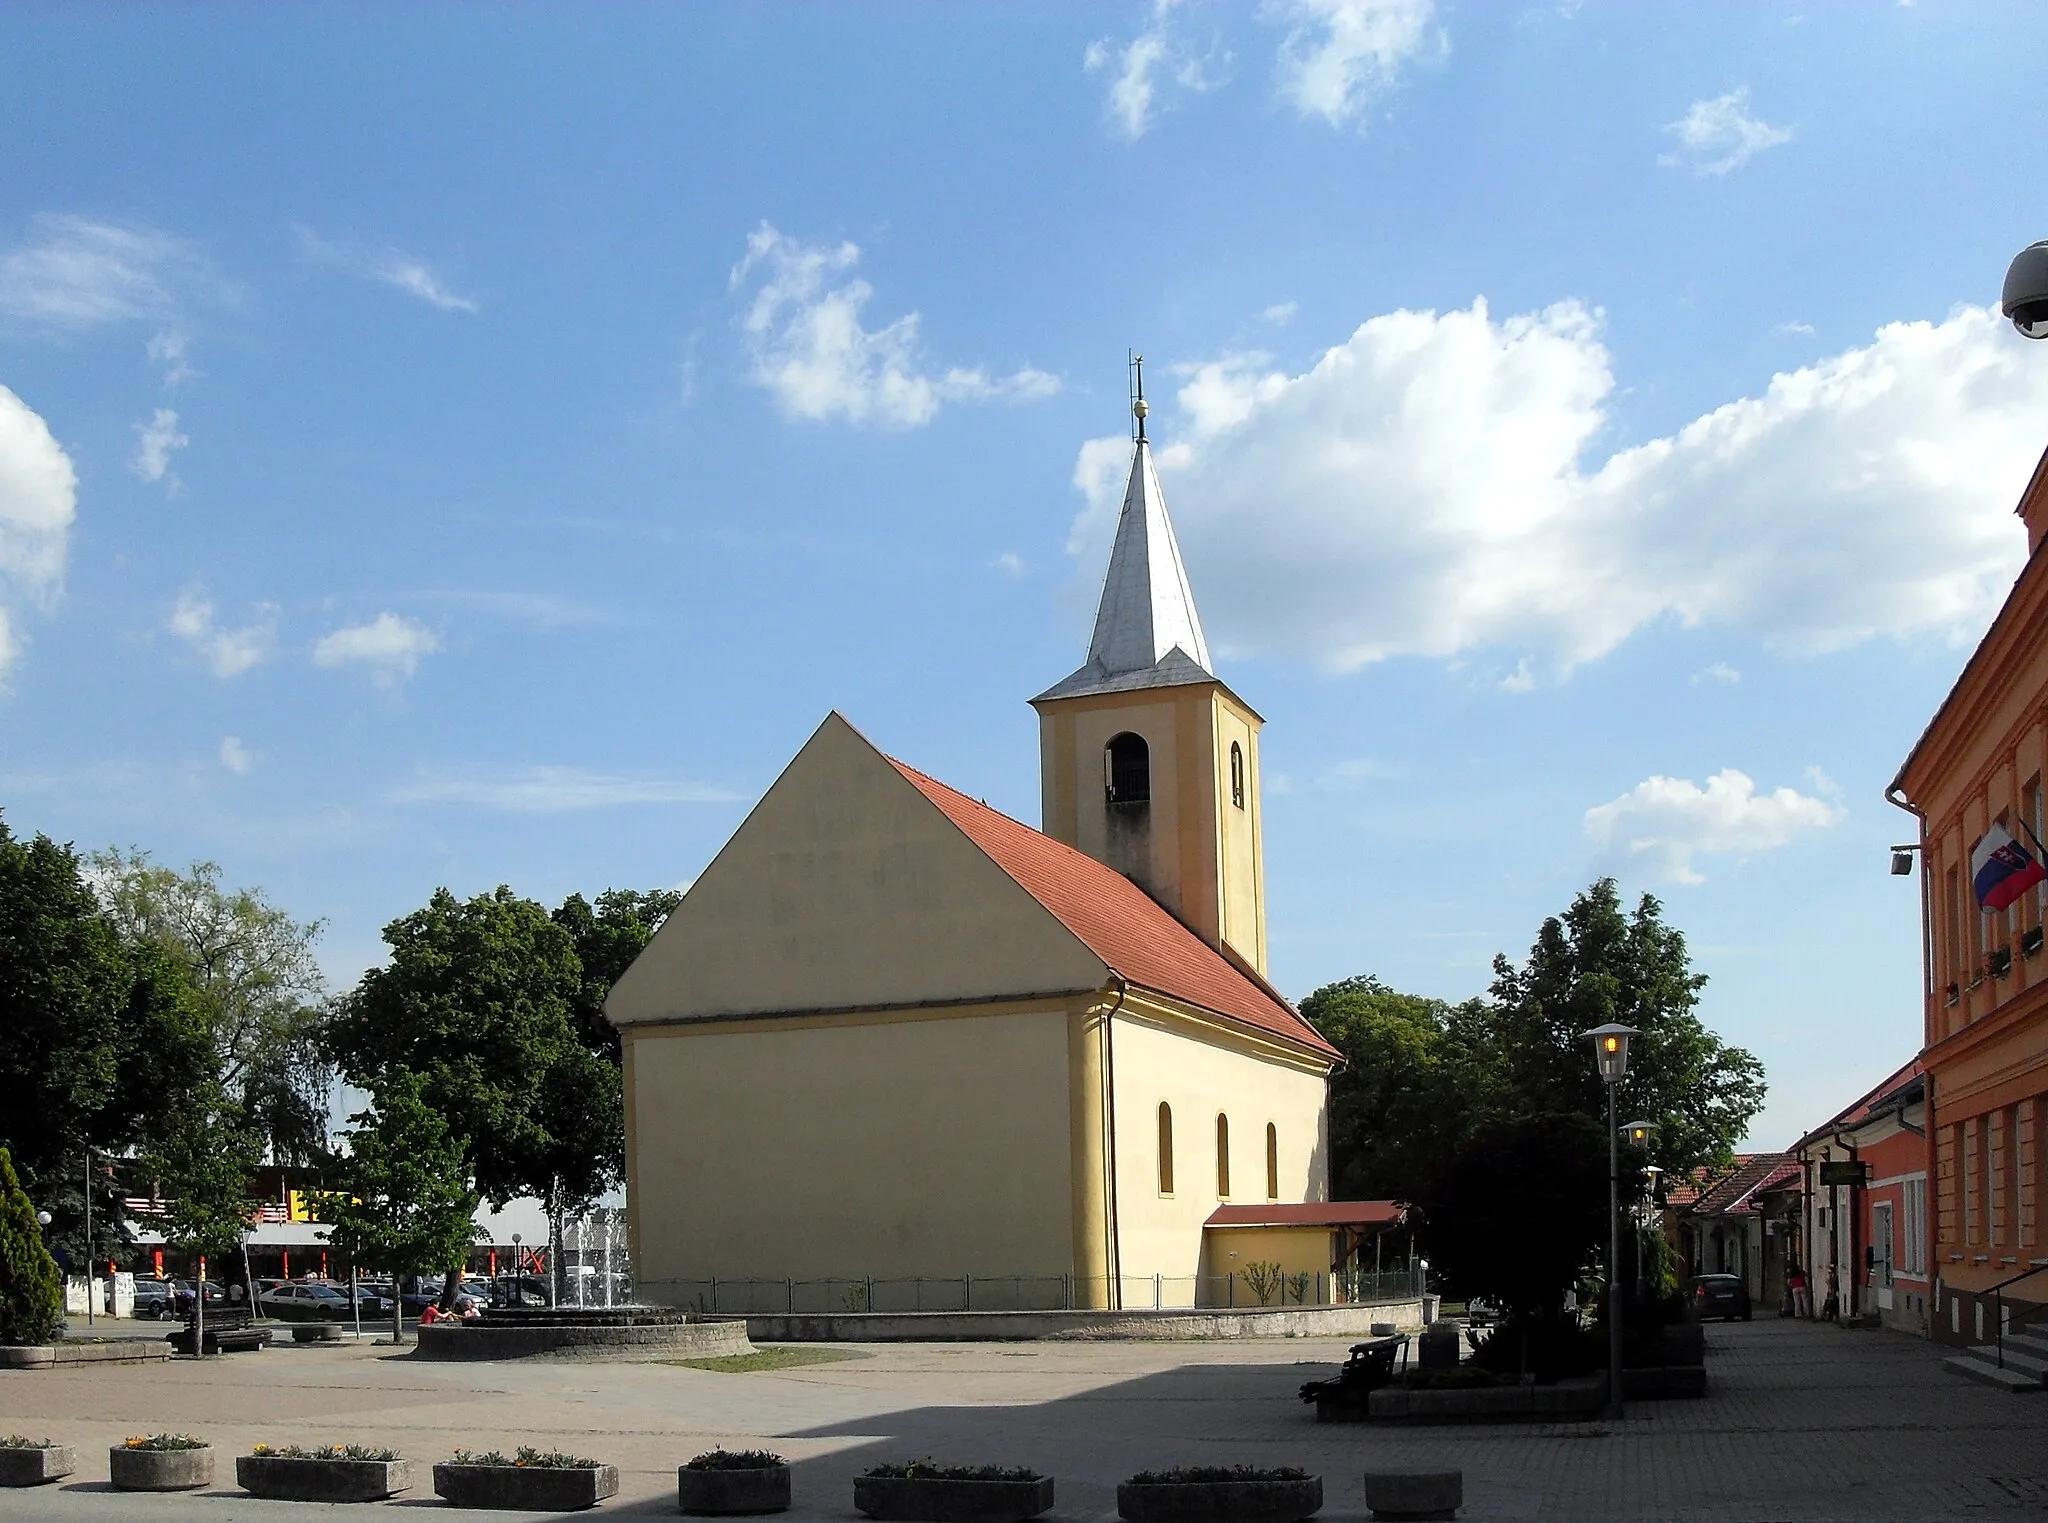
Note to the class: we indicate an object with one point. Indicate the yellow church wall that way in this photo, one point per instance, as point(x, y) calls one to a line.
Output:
point(886, 1145)
point(1228, 1252)
point(846, 888)
point(1240, 842)
point(1219, 1071)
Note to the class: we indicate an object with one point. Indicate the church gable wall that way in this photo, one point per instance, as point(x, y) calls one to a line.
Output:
point(852, 1147)
point(846, 888)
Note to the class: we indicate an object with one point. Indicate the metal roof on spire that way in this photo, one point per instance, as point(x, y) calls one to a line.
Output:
point(1147, 633)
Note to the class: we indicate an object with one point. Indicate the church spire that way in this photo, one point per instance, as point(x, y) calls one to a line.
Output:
point(1147, 633)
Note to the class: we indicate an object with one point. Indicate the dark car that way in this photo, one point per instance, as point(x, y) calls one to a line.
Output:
point(1721, 1295)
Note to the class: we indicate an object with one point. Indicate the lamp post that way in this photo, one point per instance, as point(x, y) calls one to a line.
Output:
point(1610, 1052)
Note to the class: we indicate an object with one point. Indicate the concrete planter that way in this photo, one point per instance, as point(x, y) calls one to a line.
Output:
point(732, 1493)
point(1414, 1496)
point(32, 1467)
point(932, 1500)
point(159, 1469)
point(525, 1486)
point(1220, 1501)
point(317, 1332)
point(323, 1480)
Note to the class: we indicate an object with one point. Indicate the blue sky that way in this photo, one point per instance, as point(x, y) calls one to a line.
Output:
point(462, 446)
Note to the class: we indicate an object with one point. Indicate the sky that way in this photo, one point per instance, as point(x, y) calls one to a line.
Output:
point(461, 446)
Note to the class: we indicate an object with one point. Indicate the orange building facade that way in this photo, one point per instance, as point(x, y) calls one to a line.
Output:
point(1983, 761)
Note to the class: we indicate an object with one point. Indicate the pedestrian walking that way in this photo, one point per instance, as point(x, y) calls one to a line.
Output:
point(1800, 1291)
point(1830, 1306)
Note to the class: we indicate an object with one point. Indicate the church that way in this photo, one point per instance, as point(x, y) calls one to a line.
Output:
point(892, 1036)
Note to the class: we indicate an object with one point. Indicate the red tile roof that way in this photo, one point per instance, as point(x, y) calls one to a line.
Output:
point(1753, 1172)
point(1120, 922)
point(1327, 1213)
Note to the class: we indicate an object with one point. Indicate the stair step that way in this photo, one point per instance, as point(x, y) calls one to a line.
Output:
point(1984, 1372)
point(2023, 1360)
point(2031, 1342)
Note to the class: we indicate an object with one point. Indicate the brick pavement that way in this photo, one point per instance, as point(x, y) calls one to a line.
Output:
point(1805, 1424)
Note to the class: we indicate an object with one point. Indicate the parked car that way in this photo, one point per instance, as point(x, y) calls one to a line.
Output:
point(152, 1298)
point(181, 1296)
point(1721, 1295)
point(299, 1301)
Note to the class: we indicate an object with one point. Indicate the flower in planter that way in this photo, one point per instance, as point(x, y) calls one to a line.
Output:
point(16, 1441)
point(735, 1459)
point(327, 1452)
point(931, 1470)
point(165, 1441)
point(1199, 1475)
point(527, 1458)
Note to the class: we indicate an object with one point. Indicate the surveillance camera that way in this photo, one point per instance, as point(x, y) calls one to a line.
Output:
point(2026, 291)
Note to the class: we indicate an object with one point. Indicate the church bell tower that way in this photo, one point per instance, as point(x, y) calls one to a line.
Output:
point(1147, 762)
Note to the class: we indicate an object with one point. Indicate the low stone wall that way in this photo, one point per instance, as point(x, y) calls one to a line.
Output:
point(1021, 1326)
point(1568, 1400)
point(45, 1356)
point(629, 1344)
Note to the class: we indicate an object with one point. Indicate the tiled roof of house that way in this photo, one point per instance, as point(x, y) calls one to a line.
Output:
point(1120, 922)
point(1734, 1190)
point(1326, 1213)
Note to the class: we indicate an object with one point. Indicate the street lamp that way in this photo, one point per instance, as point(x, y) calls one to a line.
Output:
point(1610, 1051)
point(1638, 1132)
point(2025, 299)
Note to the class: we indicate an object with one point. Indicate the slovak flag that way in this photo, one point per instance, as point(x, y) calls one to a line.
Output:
point(2001, 869)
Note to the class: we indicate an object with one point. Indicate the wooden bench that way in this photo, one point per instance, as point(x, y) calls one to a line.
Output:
point(229, 1329)
point(1370, 1366)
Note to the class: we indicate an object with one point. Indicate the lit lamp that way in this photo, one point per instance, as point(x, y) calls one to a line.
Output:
point(1610, 1051)
point(1638, 1133)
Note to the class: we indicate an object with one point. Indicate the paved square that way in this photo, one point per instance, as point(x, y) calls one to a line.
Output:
point(1805, 1424)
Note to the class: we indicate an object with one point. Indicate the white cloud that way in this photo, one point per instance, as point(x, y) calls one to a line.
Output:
point(1281, 313)
point(1011, 563)
point(1156, 57)
point(1521, 680)
point(1801, 330)
point(1424, 488)
point(1719, 135)
point(388, 265)
point(533, 790)
point(235, 756)
point(76, 273)
point(1720, 673)
point(168, 351)
point(156, 440)
point(808, 349)
point(227, 652)
point(389, 645)
point(38, 501)
point(1658, 827)
point(1340, 55)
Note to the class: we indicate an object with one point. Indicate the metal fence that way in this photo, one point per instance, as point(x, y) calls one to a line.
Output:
point(967, 1292)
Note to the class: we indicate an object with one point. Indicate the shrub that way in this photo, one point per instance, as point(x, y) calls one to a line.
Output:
point(1198, 1475)
point(736, 1459)
point(1458, 1377)
point(31, 1293)
point(16, 1441)
point(327, 1452)
point(1548, 1347)
point(930, 1470)
point(528, 1458)
point(1264, 1277)
point(161, 1441)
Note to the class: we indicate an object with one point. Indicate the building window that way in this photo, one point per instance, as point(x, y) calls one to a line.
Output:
point(1127, 769)
point(1222, 1156)
point(1165, 1148)
point(1272, 1161)
point(1237, 774)
point(1913, 1251)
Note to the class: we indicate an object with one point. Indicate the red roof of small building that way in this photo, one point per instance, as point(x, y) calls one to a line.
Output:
point(1326, 1213)
point(1733, 1191)
point(1121, 923)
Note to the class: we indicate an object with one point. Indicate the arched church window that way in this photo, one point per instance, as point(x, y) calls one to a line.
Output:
point(1222, 1156)
point(1237, 774)
point(1127, 769)
point(1165, 1148)
point(1272, 1161)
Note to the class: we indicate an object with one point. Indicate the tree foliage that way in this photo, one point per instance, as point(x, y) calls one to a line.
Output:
point(101, 1042)
point(255, 984)
point(31, 1293)
point(405, 1204)
point(1490, 1117)
point(205, 1164)
point(608, 936)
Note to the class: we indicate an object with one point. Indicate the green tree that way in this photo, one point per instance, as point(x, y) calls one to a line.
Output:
point(255, 982)
point(206, 1164)
point(31, 1293)
point(101, 1043)
point(405, 1205)
point(608, 936)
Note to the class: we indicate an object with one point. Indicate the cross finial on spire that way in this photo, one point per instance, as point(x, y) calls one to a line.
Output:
point(1138, 406)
